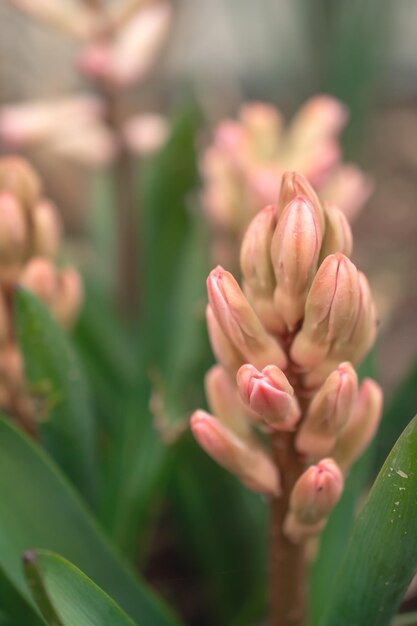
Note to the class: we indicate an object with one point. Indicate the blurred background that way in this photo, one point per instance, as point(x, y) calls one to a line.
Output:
point(222, 53)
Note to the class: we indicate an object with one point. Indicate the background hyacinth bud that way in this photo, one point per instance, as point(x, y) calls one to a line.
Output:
point(243, 458)
point(269, 394)
point(19, 178)
point(328, 413)
point(338, 234)
point(295, 251)
point(314, 496)
point(13, 231)
point(224, 401)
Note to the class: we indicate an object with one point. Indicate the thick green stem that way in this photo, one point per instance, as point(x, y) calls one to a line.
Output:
point(287, 565)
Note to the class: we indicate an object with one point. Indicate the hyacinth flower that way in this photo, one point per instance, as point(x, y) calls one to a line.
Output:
point(119, 44)
point(30, 239)
point(287, 341)
point(242, 168)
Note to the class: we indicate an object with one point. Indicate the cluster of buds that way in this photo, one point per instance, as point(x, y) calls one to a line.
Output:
point(119, 46)
point(286, 345)
point(30, 232)
point(243, 167)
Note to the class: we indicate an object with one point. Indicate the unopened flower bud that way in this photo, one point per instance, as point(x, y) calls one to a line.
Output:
point(255, 253)
point(224, 401)
point(362, 425)
point(223, 349)
point(46, 229)
point(314, 496)
point(364, 332)
point(328, 413)
point(13, 230)
point(93, 145)
point(39, 277)
point(20, 179)
point(330, 311)
point(294, 185)
point(145, 133)
point(269, 394)
point(68, 298)
point(295, 251)
point(338, 234)
point(240, 323)
point(245, 459)
point(348, 188)
point(4, 319)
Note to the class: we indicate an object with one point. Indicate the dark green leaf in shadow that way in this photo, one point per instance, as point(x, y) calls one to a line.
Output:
point(57, 383)
point(38, 507)
point(381, 558)
point(67, 597)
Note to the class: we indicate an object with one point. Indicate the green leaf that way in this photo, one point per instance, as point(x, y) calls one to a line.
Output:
point(39, 508)
point(382, 555)
point(57, 382)
point(67, 597)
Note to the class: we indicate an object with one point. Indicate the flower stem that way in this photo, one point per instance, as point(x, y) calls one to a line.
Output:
point(287, 566)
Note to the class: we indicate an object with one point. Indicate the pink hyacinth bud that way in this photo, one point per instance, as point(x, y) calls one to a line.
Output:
point(269, 394)
point(4, 319)
point(223, 349)
point(330, 311)
point(295, 251)
point(224, 401)
point(93, 144)
point(293, 185)
point(321, 117)
point(20, 179)
point(255, 253)
point(46, 229)
point(338, 234)
point(13, 230)
point(362, 425)
point(364, 332)
point(314, 496)
point(40, 277)
point(245, 459)
point(145, 133)
point(240, 323)
point(328, 413)
point(69, 297)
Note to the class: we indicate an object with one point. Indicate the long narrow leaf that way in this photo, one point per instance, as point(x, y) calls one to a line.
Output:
point(382, 555)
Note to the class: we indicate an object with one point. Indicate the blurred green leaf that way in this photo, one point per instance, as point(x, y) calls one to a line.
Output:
point(38, 508)
point(67, 597)
point(57, 383)
point(167, 181)
point(397, 414)
point(381, 558)
point(222, 527)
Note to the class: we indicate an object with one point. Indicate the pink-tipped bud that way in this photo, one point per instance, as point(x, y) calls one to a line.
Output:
point(362, 425)
point(69, 297)
point(4, 319)
point(338, 234)
point(294, 185)
point(46, 229)
point(364, 332)
point(328, 413)
point(314, 496)
point(224, 401)
point(223, 349)
point(269, 394)
point(40, 277)
point(330, 311)
point(245, 459)
point(295, 251)
point(20, 179)
point(255, 253)
point(240, 323)
point(13, 230)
